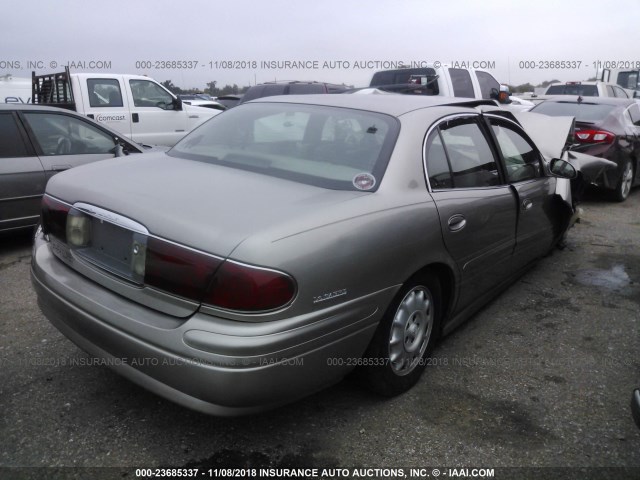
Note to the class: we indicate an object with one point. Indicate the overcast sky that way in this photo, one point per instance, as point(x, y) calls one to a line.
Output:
point(502, 34)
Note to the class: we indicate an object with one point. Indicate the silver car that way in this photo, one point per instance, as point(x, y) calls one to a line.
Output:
point(38, 142)
point(292, 239)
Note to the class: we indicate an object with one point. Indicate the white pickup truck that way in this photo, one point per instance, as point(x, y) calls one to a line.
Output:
point(136, 106)
point(447, 81)
point(627, 79)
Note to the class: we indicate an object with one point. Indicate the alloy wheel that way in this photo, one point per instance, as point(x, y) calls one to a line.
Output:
point(411, 329)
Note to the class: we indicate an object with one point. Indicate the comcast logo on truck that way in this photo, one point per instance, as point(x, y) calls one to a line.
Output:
point(109, 118)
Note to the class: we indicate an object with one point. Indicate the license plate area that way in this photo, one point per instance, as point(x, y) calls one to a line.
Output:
point(115, 249)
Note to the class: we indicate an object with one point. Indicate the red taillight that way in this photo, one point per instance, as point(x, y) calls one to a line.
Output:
point(54, 217)
point(595, 136)
point(178, 270)
point(249, 289)
point(232, 286)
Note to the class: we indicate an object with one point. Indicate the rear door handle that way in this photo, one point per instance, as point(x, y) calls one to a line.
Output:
point(60, 168)
point(457, 222)
point(527, 204)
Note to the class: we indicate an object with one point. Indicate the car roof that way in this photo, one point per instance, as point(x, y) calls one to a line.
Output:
point(391, 104)
point(620, 102)
point(41, 108)
point(30, 106)
point(295, 82)
point(587, 82)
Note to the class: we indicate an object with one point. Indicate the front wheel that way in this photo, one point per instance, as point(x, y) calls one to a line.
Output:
point(398, 352)
point(625, 181)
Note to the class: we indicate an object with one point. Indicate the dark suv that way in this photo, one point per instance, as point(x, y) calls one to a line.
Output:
point(291, 88)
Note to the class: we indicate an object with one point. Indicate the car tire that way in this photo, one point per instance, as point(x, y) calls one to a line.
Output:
point(623, 187)
point(398, 352)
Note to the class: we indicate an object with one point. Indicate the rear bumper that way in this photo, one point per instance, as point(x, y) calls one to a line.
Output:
point(206, 363)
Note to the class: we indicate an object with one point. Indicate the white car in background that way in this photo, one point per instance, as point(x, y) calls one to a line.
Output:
point(588, 89)
point(201, 100)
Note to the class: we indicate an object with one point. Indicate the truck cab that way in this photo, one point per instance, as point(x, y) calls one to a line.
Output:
point(628, 79)
point(441, 80)
point(134, 105)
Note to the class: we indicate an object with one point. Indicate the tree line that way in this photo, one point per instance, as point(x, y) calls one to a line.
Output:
point(211, 89)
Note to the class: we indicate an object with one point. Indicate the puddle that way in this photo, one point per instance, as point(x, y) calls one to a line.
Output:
point(616, 278)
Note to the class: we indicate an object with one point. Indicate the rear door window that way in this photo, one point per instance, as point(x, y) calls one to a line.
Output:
point(11, 140)
point(521, 159)
point(469, 156)
point(60, 134)
point(104, 92)
point(437, 163)
point(462, 85)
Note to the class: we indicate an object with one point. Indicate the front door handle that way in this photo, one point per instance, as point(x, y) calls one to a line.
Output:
point(457, 222)
point(526, 204)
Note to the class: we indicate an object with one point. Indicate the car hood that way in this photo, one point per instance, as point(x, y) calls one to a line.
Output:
point(208, 207)
point(550, 134)
point(200, 111)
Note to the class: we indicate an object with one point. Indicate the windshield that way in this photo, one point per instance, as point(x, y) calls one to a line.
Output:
point(573, 89)
point(330, 147)
point(584, 112)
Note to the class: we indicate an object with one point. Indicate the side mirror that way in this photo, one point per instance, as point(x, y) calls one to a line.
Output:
point(562, 169)
point(177, 104)
point(118, 151)
point(493, 93)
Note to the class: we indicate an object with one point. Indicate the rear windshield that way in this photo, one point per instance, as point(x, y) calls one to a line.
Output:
point(260, 91)
point(306, 88)
point(585, 112)
point(329, 147)
point(629, 80)
point(396, 77)
point(574, 89)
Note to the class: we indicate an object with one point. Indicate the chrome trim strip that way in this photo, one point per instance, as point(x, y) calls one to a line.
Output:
point(25, 197)
point(111, 217)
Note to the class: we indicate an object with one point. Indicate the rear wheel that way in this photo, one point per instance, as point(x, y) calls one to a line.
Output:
point(398, 352)
point(625, 181)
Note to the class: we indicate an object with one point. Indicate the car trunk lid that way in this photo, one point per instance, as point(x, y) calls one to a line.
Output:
point(209, 209)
